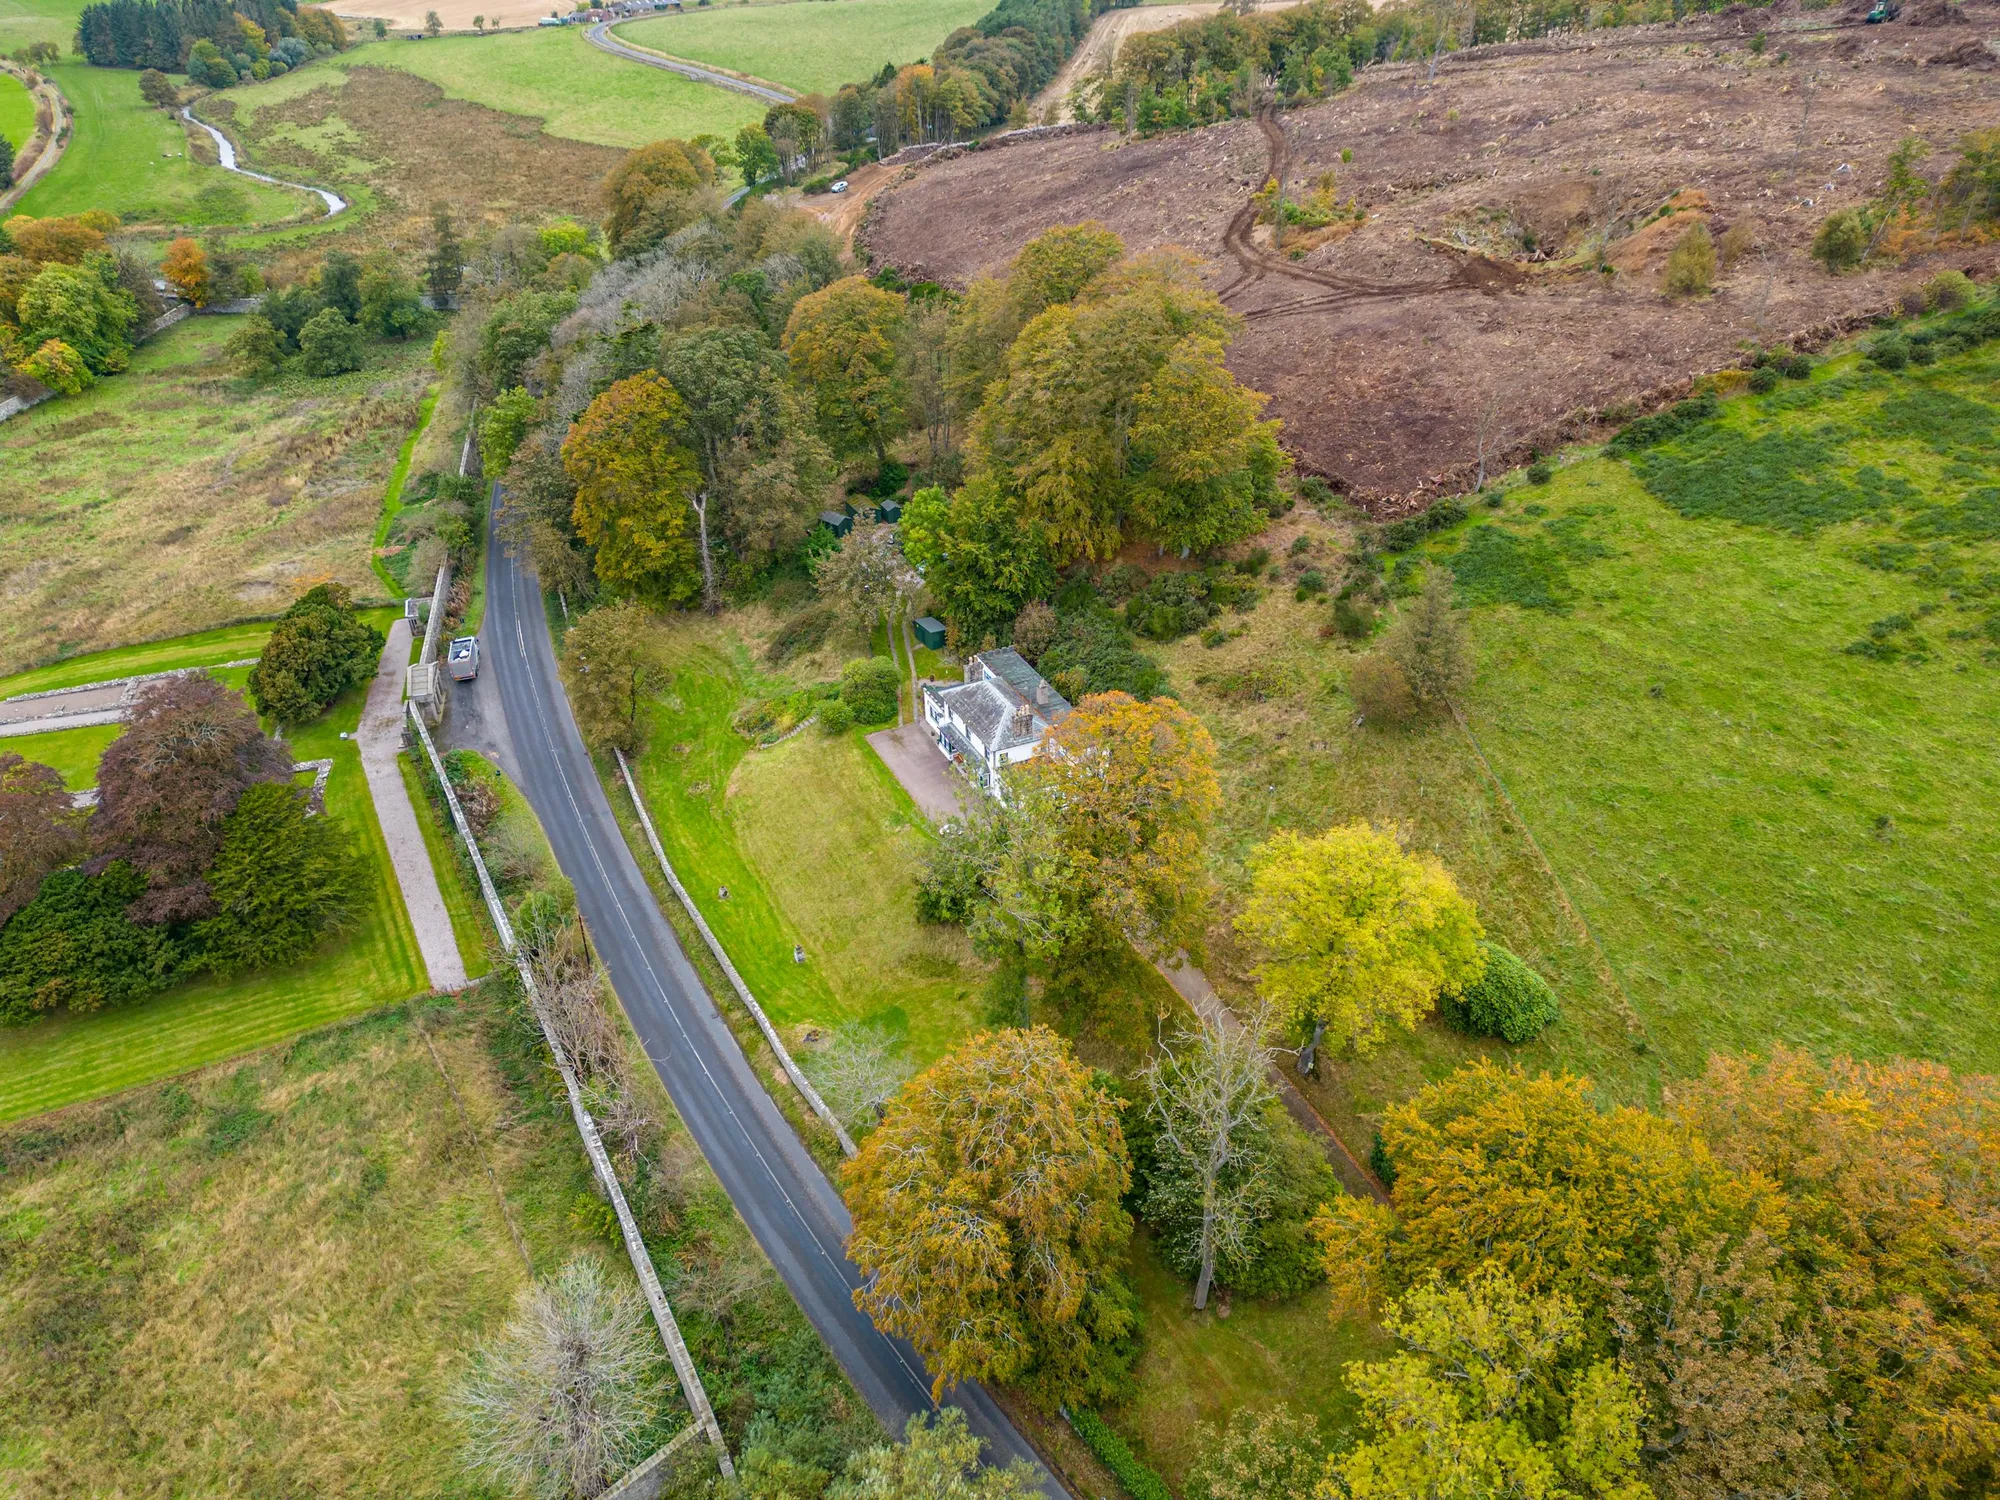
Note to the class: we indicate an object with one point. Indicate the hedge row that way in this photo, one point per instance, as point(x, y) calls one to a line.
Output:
point(1140, 1481)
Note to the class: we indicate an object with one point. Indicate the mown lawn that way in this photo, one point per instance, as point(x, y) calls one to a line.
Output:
point(810, 48)
point(268, 1277)
point(132, 159)
point(67, 1058)
point(205, 648)
point(72, 752)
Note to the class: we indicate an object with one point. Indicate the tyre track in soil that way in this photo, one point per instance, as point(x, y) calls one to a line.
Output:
point(1253, 263)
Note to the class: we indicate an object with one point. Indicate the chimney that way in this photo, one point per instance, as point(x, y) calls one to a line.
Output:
point(1024, 721)
point(1043, 693)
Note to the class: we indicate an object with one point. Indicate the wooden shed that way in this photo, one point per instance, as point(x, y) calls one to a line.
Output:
point(839, 522)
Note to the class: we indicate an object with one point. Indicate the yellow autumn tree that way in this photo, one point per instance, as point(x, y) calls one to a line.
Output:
point(987, 1219)
point(185, 269)
point(1355, 933)
point(1529, 1175)
point(1109, 830)
point(636, 478)
point(842, 343)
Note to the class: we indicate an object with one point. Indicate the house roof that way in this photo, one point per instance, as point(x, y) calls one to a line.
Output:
point(987, 704)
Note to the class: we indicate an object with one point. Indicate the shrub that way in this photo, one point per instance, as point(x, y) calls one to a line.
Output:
point(1254, 561)
point(1763, 380)
point(256, 348)
point(1140, 1482)
point(1035, 630)
point(1737, 241)
point(835, 717)
point(1311, 582)
point(58, 367)
point(329, 344)
point(1380, 691)
point(1682, 417)
point(1842, 241)
point(1400, 536)
point(1891, 351)
point(1796, 367)
point(869, 687)
point(1508, 1000)
point(1353, 618)
point(1691, 265)
point(1948, 291)
point(315, 653)
point(1541, 471)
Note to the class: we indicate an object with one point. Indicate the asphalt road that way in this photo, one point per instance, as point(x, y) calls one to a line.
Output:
point(600, 37)
point(777, 1187)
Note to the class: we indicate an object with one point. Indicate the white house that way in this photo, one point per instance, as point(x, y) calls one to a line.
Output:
point(995, 718)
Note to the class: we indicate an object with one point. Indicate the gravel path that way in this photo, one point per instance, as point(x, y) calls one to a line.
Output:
point(381, 738)
point(600, 37)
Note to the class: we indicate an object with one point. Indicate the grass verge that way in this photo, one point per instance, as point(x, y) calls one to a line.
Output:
point(392, 497)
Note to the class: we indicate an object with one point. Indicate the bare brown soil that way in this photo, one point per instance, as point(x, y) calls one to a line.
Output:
point(1468, 313)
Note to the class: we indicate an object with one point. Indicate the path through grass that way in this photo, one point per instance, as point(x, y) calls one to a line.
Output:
point(810, 48)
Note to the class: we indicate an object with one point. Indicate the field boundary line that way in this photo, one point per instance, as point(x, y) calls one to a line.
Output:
point(1635, 1024)
point(799, 1079)
point(635, 1247)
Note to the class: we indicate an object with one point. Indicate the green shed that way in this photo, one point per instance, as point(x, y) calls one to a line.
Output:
point(930, 632)
point(839, 522)
point(889, 512)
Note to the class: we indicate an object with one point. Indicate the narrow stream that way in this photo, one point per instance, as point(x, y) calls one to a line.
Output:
point(334, 202)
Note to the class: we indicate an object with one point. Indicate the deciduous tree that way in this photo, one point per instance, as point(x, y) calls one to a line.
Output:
point(636, 477)
point(329, 344)
point(316, 652)
point(556, 1405)
point(938, 1459)
point(185, 268)
point(1271, 1453)
point(842, 343)
point(1886, 1170)
point(1110, 834)
point(987, 1222)
point(610, 668)
point(1480, 1403)
point(980, 560)
point(652, 192)
point(168, 783)
point(1203, 463)
point(82, 306)
point(41, 831)
point(1354, 933)
point(867, 578)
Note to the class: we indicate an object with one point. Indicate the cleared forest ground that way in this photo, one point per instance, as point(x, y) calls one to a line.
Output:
point(1394, 352)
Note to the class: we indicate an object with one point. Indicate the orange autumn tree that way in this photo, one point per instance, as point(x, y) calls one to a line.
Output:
point(1108, 831)
point(636, 481)
point(1892, 1178)
point(987, 1219)
point(185, 268)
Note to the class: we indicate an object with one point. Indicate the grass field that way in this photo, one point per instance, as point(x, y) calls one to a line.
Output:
point(132, 159)
point(810, 48)
point(575, 90)
point(265, 1279)
point(25, 21)
point(67, 1058)
point(72, 752)
point(17, 111)
point(174, 497)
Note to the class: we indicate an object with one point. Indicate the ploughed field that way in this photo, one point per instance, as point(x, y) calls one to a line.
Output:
point(1470, 311)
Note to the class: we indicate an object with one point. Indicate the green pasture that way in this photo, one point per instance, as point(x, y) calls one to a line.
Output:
point(1756, 739)
point(25, 21)
point(17, 111)
point(810, 48)
point(65, 1058)
point(132, 159)
point(557, 77)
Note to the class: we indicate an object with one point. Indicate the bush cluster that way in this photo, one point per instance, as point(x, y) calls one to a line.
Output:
point(869, 688)
point(1508, 1000)
point(1140, 1482)
point(1172, 605)
point(1682, 417)
point(1400, 536)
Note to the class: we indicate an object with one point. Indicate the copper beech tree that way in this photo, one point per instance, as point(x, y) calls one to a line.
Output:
point(987, 1219)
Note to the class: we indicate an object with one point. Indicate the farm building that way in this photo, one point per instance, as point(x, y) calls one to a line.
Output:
point(995, 718)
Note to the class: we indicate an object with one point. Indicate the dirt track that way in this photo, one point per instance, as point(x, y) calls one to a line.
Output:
point(1389, 352)
point(1101, 43)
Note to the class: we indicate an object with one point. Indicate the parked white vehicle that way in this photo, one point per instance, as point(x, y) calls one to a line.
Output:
point(462, 658)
